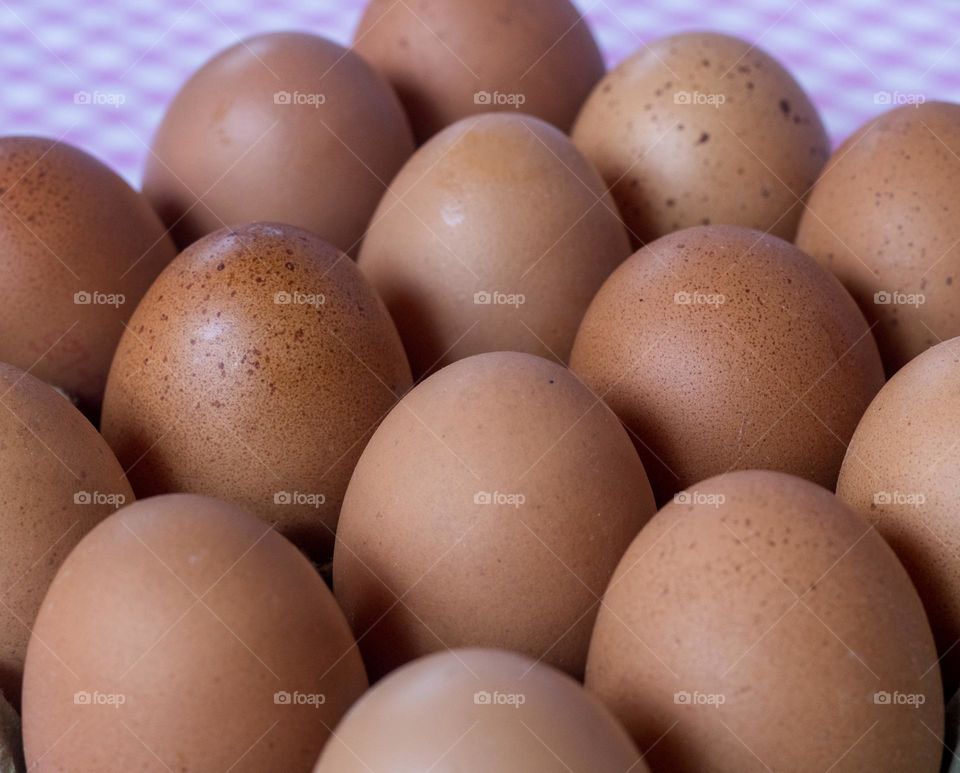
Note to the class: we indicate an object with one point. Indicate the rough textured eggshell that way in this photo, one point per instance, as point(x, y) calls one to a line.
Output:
point(496, 204)
point(473, 711)
point(885, 218)
point(58, 479)
point(762, 625)
point(703, 128)
point(902, 473)
point(722, 348)
point(284, 126)
point(184, 634)
point(457, 58)
point(69, 228)
point(254, 370)
point(495, 501)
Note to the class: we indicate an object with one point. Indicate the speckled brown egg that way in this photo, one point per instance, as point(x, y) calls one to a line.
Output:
point(760, 624)
point(885, 218)
point(902, 473)
point(494, 237)
point(703, 128)
point(254, 370)
point(474, 711)
point(284, 126)
point(78, 249)
point(58, 479)
point(184, 634)
point(494, 502)
point(458, 58)
point(723, 348)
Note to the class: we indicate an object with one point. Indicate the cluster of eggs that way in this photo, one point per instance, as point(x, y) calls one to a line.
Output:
point(572, 385)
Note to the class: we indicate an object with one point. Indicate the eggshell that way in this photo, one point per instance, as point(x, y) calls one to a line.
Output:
point(494, 502)
point(284, 126)
point(760, 624)
point(722, 348)
point(474, 711)
point(185, 634)
point(902, 473)
point(457, 58)
point(884, 218)
point(78, 248)
point(702, 128)
point(58, 479)
point(254, 371)
point(493, 237)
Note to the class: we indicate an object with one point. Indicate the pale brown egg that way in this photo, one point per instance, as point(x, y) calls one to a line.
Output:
point(722, 348)
point(284, 126)
point(475, 711)
point(254, 370)
point(702, 128)
point(489, 509)
point(184, 634)
point(902, 473)
point(494, 237)
point(78, 249)
point(885, 218)
point(759, 624)
point(457, 58)
point(58, 479)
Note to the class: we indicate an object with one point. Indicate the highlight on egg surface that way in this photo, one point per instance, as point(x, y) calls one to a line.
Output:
point(701, 128)
point(185, 632)
point(494, 501)
point(723, 348)
point(254, 370)
point(758, 623)
point(285, 126)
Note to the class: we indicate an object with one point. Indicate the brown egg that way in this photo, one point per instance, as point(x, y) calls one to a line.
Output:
point(184, 634)
point(722, 348)
point(474, 711)
point(489, 509)
point(254, 371)
point(78, 248)
point(284, 126)
point(760, 624)
point(902, 473)
point(457, 58)
point(883, 217)
point(702, 128)
point(58, 479)
point(494, 237)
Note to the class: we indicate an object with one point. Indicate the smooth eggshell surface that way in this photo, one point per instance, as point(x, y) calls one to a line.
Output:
point(762, 625)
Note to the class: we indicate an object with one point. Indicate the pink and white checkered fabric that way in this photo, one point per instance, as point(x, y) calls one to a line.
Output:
point(850, 55)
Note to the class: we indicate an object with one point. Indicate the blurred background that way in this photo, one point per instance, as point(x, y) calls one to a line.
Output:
point(99, 74)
